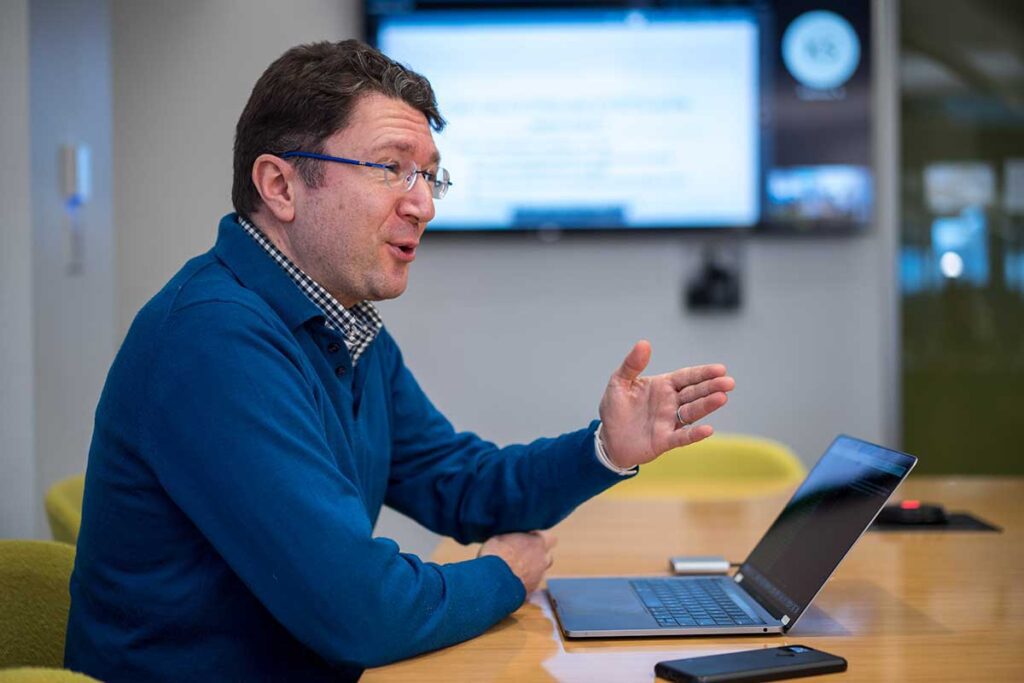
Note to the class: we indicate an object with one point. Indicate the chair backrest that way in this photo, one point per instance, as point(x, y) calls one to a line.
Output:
point(34, 601)
point(43, 675)
point(723, 465)
point(64, 508)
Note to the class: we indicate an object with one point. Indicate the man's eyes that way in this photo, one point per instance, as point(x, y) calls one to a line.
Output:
point(405, 169)
point(393, 165)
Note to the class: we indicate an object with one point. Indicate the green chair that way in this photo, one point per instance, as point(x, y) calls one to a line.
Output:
point(34, 602)
point(725, 466)
point(64, 508)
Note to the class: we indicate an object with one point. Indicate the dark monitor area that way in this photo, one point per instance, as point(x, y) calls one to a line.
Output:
point(822, 521)
point(638, 115)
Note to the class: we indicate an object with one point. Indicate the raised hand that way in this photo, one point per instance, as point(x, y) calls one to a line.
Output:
point(642, 417)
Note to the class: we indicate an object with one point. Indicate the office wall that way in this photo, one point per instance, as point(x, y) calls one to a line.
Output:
point(182, 73)
point(17, 465)
point(75, 324)
point(513, 337)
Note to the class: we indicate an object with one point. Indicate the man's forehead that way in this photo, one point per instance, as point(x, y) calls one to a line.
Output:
point(386, 124)
point(404, 147)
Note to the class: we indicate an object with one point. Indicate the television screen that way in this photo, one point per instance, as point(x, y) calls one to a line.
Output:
point(639, 115)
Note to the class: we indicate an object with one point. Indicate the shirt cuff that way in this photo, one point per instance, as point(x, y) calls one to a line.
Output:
point(602, 456)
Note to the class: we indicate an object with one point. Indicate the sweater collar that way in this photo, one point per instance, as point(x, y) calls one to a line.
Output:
point(258, 272)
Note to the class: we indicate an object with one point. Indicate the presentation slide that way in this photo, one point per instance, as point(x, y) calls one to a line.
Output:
point(603, 119)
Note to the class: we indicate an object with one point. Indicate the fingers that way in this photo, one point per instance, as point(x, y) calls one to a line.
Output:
point(706, 394)
point(706, 388)
point(701, 408)
point(550, 540)
point(685, 377)
point(689, 435)
point(528, 554)
point(636, 361)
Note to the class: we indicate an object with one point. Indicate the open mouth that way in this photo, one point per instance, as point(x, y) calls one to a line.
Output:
point(404, 252)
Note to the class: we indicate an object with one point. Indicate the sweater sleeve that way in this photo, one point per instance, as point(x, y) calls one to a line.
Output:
point(234, 433)
point(459, 485)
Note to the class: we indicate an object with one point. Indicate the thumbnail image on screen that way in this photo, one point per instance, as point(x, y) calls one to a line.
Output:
point(816, 194)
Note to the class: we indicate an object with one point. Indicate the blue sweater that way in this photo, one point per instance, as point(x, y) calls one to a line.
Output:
point(237, 468)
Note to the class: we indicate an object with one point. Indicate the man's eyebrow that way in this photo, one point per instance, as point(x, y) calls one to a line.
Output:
point(404, 147)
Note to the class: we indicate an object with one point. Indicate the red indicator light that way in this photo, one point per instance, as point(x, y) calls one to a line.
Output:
point(910, 504)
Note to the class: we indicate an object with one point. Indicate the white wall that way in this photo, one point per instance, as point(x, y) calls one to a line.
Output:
point(511, 336)
point(182, 73)
point(517, 338)
point(17, 465)
point(74, 331)
point(885, 23)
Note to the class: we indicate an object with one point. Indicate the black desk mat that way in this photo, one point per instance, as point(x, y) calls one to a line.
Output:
point(956, 521)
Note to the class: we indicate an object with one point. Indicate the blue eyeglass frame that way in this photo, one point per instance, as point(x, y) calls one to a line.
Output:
point(340, 160)
point(368, 164)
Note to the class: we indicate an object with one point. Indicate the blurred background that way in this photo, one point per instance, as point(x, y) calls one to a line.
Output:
point(905, 328)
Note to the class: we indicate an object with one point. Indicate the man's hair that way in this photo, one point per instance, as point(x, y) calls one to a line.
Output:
point(306, 96)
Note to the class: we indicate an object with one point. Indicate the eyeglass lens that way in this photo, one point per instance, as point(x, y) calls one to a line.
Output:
point(439, 181)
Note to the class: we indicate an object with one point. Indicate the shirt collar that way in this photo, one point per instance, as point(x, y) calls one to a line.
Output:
point(244, 257)
point(360, 324)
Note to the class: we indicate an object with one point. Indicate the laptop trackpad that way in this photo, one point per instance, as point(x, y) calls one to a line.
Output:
point(598, 604)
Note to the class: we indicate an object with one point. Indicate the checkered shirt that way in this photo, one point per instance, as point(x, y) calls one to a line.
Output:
point(360, 324)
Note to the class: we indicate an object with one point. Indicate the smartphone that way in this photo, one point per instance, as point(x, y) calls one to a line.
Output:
point(750, 666)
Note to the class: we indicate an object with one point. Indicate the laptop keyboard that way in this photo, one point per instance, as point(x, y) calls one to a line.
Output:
point(689, 602)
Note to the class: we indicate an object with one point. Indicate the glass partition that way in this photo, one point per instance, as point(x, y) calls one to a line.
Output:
point(962, 233)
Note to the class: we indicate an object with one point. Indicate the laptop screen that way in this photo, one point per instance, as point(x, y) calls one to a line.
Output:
point(819, 525)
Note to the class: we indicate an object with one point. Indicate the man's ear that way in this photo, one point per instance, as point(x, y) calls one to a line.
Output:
point(276, 180)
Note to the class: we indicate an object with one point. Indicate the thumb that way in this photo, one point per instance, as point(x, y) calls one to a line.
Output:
point(636, 361)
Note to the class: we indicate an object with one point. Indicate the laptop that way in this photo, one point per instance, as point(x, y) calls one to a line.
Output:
point(834, 505)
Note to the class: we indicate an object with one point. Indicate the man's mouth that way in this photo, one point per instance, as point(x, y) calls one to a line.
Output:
point(404, 251)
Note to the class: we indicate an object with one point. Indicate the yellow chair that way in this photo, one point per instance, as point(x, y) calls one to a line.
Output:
point(64, 508)
point(723, 466)
point(34, 602)
point(43, 675)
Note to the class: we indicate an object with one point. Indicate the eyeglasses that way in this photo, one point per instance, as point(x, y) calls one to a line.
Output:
point(402, 176)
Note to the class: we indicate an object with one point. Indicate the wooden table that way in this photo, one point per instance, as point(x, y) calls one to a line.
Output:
point(903, 606)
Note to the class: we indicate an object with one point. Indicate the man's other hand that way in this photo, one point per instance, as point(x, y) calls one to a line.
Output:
point(642, 417)
point(527, 554)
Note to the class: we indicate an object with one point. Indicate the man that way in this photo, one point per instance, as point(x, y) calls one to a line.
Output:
point(258, 415)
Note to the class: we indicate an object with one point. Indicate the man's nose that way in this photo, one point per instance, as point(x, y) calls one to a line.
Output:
point(420, 200)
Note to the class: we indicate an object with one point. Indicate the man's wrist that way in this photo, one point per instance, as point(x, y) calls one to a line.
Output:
point(604, 459)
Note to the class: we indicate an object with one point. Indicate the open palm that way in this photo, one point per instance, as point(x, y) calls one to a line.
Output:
point(642, 417)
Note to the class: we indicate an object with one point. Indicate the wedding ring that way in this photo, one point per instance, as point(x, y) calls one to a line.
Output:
point(679, 417)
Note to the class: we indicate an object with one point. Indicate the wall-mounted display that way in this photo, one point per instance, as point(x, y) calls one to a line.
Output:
point(642, 114)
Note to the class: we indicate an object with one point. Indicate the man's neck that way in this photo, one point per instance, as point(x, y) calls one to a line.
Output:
point(276, 232)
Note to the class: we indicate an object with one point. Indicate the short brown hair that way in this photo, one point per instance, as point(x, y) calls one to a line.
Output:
point(306, 96)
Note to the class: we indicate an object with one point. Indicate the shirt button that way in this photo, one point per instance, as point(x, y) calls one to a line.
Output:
point(333, 347)
point(340, 370)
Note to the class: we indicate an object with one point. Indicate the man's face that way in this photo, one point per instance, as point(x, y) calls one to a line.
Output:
point(355, 234)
